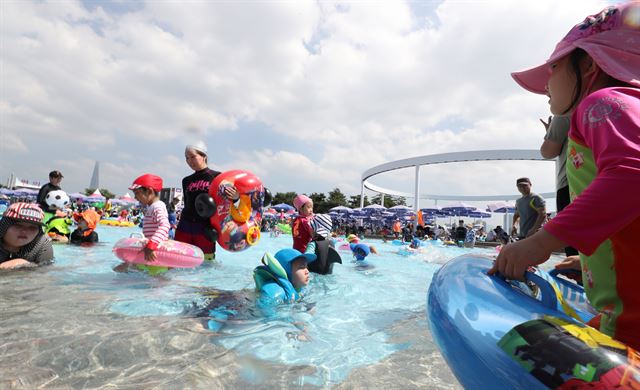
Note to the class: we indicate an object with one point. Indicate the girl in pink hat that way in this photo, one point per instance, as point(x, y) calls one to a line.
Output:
point(301, 231)
point(594, 76)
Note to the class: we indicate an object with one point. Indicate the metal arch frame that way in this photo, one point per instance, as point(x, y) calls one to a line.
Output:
point(443, 158)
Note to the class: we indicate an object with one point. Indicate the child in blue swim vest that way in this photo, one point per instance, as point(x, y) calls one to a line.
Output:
point(282, 276)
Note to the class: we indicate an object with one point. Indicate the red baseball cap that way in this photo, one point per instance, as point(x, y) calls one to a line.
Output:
point(149, 181)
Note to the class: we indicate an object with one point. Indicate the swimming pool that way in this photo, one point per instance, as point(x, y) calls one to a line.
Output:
point(78, 323)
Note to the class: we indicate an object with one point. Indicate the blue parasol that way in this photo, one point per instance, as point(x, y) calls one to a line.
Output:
point(341, 210)
point(282, 207)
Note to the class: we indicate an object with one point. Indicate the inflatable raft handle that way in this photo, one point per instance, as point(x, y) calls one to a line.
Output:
point(136, 235)
point(568, 272)
point(548, 296)
point(547, 293)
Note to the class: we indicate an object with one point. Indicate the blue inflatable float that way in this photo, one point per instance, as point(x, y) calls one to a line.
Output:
point(496, 334)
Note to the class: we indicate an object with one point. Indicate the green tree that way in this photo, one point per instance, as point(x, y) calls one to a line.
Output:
point(390, 201)
point(354, 201)
point(336, 198)
point(283, 197)
point(319, 202)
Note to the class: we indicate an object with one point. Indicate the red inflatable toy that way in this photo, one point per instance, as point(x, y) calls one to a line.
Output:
point(237, 226)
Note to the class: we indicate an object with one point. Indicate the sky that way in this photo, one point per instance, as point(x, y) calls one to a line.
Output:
point(305, 94)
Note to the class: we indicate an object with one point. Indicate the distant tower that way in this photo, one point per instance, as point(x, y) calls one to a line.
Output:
point(95, 178)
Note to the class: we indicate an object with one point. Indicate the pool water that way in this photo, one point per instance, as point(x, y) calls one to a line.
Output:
point(78, 323)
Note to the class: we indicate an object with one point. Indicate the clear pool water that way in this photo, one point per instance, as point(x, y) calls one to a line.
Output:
point(79, 324)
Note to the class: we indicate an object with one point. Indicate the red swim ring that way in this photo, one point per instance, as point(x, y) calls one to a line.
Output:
point(238, 227)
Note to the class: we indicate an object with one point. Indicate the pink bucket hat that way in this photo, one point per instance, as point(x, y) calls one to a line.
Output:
point(300, 200)
point(611, 37)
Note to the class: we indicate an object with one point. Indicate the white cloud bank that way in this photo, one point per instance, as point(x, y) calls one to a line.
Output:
point(351, 85)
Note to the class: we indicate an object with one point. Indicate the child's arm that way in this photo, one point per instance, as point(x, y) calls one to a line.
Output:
point(610, 202)
point(161, 218)
point(514, 259)
point(307, 227)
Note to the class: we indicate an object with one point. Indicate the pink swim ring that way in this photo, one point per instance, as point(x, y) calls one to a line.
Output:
point(174, 254)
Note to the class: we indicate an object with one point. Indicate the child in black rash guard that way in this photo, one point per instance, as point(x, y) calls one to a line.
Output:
point(87, 222)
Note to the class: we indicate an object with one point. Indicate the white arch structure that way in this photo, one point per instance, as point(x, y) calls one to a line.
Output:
point(417, 162)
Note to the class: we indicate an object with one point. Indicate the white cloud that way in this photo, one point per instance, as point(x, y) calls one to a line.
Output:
point(351, 85)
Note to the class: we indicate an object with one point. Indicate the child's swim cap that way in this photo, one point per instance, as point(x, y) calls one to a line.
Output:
point(198, 146)
point(288, 255)
point(611, 37)
point(300, 200)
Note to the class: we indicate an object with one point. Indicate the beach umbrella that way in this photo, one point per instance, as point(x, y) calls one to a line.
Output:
point(400, 209)
point(478, 214)
point(25, 191)
point(341, 209)
point(76, 196)
point(458, 207)
point(501, 207)
point(282, 207)
point(374, 208)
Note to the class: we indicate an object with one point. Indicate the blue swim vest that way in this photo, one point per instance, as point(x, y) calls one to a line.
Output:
point(272, 281)
point(360, 251)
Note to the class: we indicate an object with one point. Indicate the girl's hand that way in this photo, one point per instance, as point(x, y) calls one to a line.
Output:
point(16, 263)
point(514, 259)
point(231, 193)
point(149, 255)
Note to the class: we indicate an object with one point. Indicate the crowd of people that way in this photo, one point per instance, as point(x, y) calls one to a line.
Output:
point(592, 82)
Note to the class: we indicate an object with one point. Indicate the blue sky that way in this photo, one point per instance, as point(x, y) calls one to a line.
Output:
point(306, 94)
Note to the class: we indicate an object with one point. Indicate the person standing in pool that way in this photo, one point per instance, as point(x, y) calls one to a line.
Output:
point(301, 231)
point(281, 277)
point(85, 233)
point(55, 178)
point(530, 210)
point(192, 228)
point(555, 145)
point(22, 240)
point(172, 209)
point(594, 76)
point(155, 225)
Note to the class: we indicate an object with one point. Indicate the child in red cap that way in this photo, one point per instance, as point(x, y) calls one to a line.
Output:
point(302, 232)
point(155, 225)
